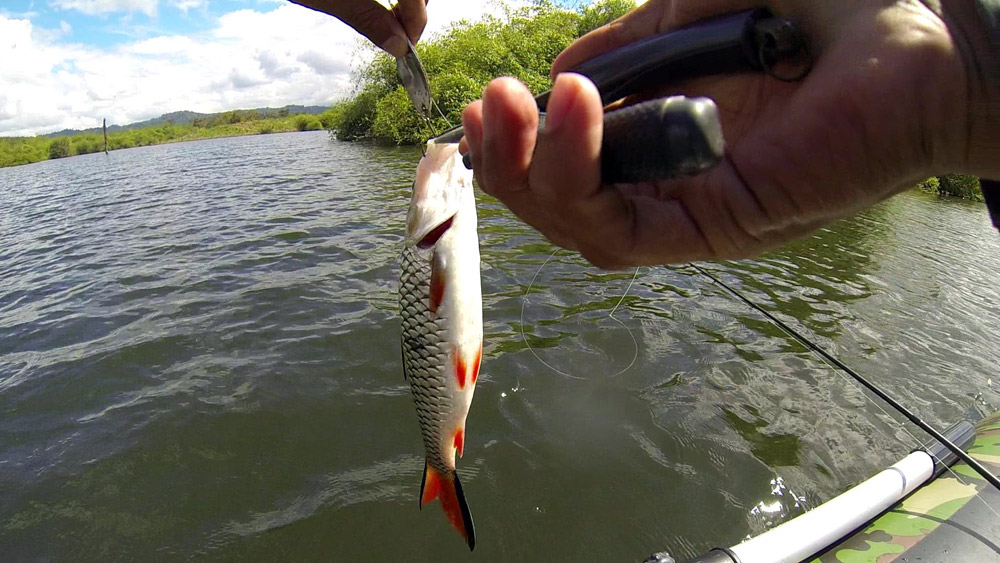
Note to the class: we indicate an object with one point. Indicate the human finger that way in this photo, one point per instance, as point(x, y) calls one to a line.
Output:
point(600, 220)
point(509, 126)
point(472, 124)
point(501, 134)
point(565, 176)
point(367, 17)
point(412, 14)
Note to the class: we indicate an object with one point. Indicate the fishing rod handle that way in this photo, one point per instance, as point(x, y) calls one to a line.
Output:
point(661, 139)
point(751, 40)
point(657, 140)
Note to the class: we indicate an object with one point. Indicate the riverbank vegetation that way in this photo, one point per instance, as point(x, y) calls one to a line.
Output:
point(25, 150)
point(954, 185)
point(521, 43)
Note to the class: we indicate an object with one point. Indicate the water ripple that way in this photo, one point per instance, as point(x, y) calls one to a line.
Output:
point(199, 357)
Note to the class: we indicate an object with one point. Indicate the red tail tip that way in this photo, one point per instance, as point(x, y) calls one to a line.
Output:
point(448, 488)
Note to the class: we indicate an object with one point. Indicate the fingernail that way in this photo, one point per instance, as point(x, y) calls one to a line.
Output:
point(488, 109)
point(395, 46)
point(473, 135)
point(560, 103)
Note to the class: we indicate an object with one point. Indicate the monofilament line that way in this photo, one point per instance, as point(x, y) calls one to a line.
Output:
point(524, 338)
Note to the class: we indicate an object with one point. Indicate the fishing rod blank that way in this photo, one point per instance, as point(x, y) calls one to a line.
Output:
point(959, 452)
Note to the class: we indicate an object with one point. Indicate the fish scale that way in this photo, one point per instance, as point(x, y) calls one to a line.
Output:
point(424, 351)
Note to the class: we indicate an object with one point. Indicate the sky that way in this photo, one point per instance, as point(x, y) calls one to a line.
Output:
point(70, 63)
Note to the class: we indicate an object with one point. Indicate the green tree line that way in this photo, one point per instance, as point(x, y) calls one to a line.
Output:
point(521, 43)
point(25, 150)
point(954, 185)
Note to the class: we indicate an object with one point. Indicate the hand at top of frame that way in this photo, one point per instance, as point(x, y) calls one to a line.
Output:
point(388, 29)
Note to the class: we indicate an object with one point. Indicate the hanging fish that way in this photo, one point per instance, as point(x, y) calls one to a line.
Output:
point(441, 305)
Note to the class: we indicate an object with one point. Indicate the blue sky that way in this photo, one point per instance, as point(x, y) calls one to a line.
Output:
point(113, 22)
point(71, 63)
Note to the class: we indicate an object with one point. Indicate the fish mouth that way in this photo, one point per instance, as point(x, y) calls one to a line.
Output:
point(435, 234)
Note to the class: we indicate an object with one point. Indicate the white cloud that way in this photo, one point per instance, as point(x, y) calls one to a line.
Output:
point(50, 85)
point(322, 63)
point(97, 7)
point(164, 45)
point(185, 5)
point(442, 13)
point(284, 55)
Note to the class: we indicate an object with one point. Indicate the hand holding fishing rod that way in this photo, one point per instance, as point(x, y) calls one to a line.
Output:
point(874, 116)
point(675, 136)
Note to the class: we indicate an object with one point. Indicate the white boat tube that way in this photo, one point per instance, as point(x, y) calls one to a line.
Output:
point(831, 522)
point(809, 533)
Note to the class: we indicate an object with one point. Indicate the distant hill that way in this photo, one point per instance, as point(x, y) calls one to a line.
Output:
point(183, 117)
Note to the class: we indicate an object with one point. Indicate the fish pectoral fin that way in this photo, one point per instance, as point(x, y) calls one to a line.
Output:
point(447, 488)
point(461, 369)
point(459, 441)
point(466, 371)
point(476, 363)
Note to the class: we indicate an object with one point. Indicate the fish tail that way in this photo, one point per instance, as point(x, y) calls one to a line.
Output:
point(447, 487)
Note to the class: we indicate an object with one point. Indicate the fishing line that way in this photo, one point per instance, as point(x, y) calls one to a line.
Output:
point(524, 301)
point(429, 119)
point(975, 465)
point(434, 105)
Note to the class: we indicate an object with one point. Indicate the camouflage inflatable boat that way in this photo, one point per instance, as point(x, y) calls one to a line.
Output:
point(912, 511)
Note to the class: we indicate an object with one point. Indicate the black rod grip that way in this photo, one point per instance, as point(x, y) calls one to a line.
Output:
point(661, 139)
point(721, 45)
point(657, 140)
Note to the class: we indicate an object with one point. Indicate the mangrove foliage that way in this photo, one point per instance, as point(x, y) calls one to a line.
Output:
point(954, 185)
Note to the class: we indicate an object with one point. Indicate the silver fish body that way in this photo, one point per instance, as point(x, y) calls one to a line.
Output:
point(441, 310)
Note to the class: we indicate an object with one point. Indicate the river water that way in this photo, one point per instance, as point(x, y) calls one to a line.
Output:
point(199, 359)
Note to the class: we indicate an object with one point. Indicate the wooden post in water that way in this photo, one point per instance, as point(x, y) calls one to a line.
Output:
point(105, 135)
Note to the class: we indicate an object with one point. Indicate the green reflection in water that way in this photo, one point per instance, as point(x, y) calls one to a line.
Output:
point(777, 450)
point(814, 278)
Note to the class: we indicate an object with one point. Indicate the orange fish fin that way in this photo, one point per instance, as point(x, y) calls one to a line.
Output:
point(460, 441)
point(430, 487)
point(448, 488)
point(437, 283)
point(461, 370)
point(476, 362)
point(457, 509)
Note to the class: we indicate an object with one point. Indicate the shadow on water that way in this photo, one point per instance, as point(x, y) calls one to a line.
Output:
point(815, 279)
point(199, 358)
point(779, 450)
